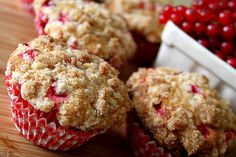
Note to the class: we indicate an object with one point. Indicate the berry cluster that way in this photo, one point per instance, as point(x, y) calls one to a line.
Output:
point(211, 22)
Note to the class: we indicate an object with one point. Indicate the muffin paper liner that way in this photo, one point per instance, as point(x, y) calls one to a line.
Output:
point(27, 5)
point(142, 144)
point(41, 128)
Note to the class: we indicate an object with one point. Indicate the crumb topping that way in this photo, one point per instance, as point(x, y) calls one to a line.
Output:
point(142, 16)
point(83, 88)
point(86, 25)
point(182, 111)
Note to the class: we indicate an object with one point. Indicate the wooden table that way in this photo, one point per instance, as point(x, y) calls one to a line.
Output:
point(16, 26)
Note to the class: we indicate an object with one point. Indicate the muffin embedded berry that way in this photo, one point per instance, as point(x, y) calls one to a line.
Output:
point(182, 113)
point(142, 17)
point(70, 91)
point(86, 25)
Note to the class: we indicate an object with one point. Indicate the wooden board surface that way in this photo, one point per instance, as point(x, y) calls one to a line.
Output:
point(17, 27)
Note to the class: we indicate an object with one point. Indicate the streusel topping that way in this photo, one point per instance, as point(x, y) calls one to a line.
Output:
point(83, 88)
point(182, 111)
point(86, 25)
point(142, 16)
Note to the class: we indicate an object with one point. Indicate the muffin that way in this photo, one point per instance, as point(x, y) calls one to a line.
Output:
point(142, 17)
point(178, 114)
point(61, 97)
point(86, 25)
point(27, 5)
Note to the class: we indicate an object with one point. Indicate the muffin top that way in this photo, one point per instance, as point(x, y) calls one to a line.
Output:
point(142, 16)
point(86, 25)
point(83, 88)
point(182, 111)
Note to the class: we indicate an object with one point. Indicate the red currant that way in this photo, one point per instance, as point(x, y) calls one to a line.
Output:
point(206, 16)
point(203, 42)
point(232, 62)
point(187, 27)
point(163, 19)
point(222, 4)
point(176, 19)
point(191, 15)
point(229, 32)
point(200, 27)
point(214, 43)
point(180, 10)
point(225, 17)
point(168, 10)
point(213, 7)
point(213, 30)
point(232, 5)
point(220, 55)
point(227, 48)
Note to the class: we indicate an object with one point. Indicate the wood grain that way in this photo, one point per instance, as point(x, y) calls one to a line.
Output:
point(17, 27)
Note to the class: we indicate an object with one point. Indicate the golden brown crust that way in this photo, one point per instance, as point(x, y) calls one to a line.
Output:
point(182, 111)
point(142, 16)
point(89, 26)
point(84, 88)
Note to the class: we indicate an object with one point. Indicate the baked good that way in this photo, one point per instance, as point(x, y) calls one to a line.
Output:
point(86, 25)
point(142, 17)
point(61, 97)
point(179, 112)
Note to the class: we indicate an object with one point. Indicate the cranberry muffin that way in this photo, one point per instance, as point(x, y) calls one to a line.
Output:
point(86, 25)
point(178, 114)
point(142, 18)
point(61, 97)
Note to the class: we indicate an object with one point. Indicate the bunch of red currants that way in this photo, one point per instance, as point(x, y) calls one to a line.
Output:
point(211, 22)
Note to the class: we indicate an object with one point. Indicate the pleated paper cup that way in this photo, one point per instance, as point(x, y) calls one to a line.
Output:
point(42, 129)
point(142, 143)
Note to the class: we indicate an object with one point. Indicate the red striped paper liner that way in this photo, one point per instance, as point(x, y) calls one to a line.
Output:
point(142, 143)
point(40, 128)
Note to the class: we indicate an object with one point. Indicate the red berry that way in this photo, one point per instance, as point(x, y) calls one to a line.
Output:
point(220, 55)
point(205, 16)
point(187, 27)
point(227, 48)
point(214, 43)
point(200, 27)
point(213, 30)
point(180, 10)
point(191, 15)
point(57, 98)
point(225, 17)
point(29, 54)
point(228, 32)
point(234, 16)
point(203, 42)
point(232, 62)
point(163, 19)
point(168, 10)
point(222, 4)
point(176, 19)
point(232, 5)
point(198, 4)
point(213, 7)
point(205, 130)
